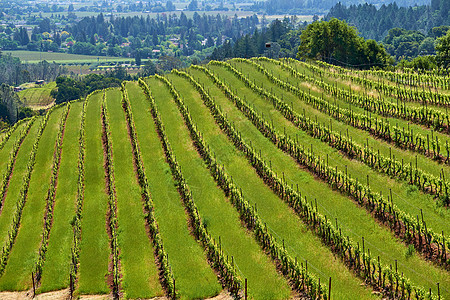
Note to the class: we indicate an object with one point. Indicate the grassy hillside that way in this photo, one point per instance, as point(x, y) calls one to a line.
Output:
point(271, 178)
point(37, 97)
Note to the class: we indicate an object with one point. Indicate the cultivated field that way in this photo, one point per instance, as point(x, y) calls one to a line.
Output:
point(63, 58)
point(259, 178)
point(38, 97)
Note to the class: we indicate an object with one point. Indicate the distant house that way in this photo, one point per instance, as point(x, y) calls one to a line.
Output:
point(18, 89)
point(40, 82)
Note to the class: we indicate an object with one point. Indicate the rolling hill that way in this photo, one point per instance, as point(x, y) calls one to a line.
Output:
point(264, 178)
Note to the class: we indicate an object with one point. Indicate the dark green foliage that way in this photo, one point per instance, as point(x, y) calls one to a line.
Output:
point(320, 6)
point(21, 36)
point(443, 50)
point(419, 63)
point(70, 89)
point(282, 37)
point(148, 69)
point(338, 43)
point(137, 58)
point(25, 112)
point(374, 22)
point(83, 48)
point(9, 103)
point(408, 43)
point(3, 112)
point(149, 32)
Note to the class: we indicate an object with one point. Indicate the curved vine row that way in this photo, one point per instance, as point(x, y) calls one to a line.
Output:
point(426, 241)
point(12, 233)
point(51, 192)
point(426, 182)
point(399, 136)
point(227, 271)
point(166, 277)
point(113, 225)
point(10, 131)
point(424, 115)
point(424, 96)
point(76, 224)
point(12, 160)
point(330, 235)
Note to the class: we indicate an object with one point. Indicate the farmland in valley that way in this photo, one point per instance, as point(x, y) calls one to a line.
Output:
point(271, 179)
point(63, 58)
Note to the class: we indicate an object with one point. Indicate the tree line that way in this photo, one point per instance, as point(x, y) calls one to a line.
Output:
point(280, 39)
point(317, 6)
point(134, 36)
point(375, 23)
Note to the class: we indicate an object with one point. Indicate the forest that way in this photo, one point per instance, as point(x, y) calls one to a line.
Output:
point(375, 22)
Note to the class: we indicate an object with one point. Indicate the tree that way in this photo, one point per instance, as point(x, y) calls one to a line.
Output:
point(170, 6)
point(9, 103)
point(137, 58)
point(148, 69)
point(25, 112)
point(44, 25)
point(443, 50)
point(83, 48)
point(336, 42)
point(168, 63)
point(193, 5)
point(68, 89)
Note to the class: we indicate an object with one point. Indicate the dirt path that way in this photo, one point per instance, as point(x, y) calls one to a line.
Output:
point(56, 295)
point(38, 107)
point(64, 294)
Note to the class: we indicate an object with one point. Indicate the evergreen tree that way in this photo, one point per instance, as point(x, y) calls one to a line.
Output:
point(193, 5)
point(137, 58)
point(443, 50)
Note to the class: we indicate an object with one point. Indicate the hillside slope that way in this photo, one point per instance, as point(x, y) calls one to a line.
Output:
point(275, 179)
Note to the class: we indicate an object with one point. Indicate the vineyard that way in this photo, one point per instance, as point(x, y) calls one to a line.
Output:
point(254, 178)
point(38, 97)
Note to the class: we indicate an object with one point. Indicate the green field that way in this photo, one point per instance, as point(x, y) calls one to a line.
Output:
point(228, 178)
point(63, 58)
point(36, 97)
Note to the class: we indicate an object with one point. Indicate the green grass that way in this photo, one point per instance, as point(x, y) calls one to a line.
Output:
point(405, 196)
point(16, 182)
point(221, 218)
point(140, 276)
point(282, 222)
point(37, 96)
point(56, 269)
point(62, 58)
point(95, 251)
point(354, 220)
point(169, 211)
point(195, 278)
point(24, 253)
